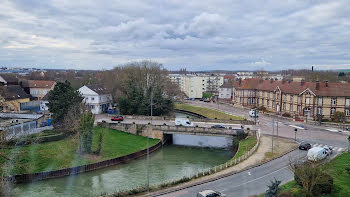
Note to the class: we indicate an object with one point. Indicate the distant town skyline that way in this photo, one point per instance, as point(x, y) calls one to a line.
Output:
point(196, 35)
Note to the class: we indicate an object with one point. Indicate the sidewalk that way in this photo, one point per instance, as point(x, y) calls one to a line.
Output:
point(282, 146)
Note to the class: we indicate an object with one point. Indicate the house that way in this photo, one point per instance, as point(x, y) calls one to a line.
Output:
point(226, 92)
point(11, 98)
point(97, 97)
point(300, 98)
point(37, 88)
point(8, 79)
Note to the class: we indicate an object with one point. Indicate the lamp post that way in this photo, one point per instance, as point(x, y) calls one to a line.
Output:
point(295, 134)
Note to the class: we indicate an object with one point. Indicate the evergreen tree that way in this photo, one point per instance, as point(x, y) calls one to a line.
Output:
point(273, 189)
point(87, 125)
point(61, 99)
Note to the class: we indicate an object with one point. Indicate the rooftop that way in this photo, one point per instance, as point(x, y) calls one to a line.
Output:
point(38, 84)
point(13, 92)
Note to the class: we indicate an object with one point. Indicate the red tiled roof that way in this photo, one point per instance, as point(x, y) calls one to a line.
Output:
point(291, 87)
point(38, 84)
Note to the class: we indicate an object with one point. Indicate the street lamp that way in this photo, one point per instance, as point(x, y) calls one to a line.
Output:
point(295, 134)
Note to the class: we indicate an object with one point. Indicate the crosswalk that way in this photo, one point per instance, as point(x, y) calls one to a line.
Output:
point(338, 149)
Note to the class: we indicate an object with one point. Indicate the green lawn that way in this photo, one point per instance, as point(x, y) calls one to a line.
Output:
point(62, 154)
point(335, 168)
point(207, 112)
point(244, 146)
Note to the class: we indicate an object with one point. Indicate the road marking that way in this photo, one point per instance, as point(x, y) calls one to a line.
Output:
point(315, 145)
point(297, 127)
point(249, 173)
point(262, 176)
point(333, 130)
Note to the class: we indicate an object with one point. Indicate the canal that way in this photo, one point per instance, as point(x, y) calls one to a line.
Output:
point(170, 162)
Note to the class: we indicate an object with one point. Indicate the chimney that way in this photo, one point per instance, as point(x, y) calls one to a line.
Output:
point(239, 81)
point(302, 82)
point(326, 83)
point(317, 85)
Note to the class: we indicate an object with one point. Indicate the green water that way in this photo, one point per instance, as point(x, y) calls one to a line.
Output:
point(170, 162)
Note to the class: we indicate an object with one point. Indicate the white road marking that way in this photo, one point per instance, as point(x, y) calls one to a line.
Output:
point(332, 130)
point(249, 173)
point(296, 127)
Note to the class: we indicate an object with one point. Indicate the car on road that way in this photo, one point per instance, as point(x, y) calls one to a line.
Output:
point(348, 128)
point(117, 118)
point(210, 193)
point(304, 146)
point(218, 126)
point(329, 150)
point(254, 113)
point(316, 154)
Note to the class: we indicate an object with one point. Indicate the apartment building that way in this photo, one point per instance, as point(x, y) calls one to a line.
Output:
point(97, 98)
point(299, 98)
point(194, 85)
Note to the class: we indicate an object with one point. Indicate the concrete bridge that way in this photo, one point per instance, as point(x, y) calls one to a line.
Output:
point(196, 136)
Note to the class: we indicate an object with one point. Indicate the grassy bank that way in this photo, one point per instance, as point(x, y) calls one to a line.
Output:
point(244, 146)
point(207, 112)
point(337, 169)
point(62, 154)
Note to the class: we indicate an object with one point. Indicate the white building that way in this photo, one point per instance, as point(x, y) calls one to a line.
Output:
point(226, 91)
point(97, 97)
point(194, 85)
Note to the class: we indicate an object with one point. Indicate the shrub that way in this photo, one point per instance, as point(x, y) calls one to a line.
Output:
point(323, 186)
point(338, 116)
point(215, 118)
point(286, 115)
point(230, 118)
point(298, 192)
point(164, 124)
point(241, 135)
point(285, 194)
point(230, 127)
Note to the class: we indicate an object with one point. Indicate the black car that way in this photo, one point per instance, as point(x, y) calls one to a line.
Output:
point(304, 146)
point(218, 127)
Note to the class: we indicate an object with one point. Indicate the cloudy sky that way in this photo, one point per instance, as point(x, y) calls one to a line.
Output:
point(197, 35)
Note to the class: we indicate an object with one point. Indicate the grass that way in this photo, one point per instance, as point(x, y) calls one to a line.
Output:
point(63, 153)
point(207, 112)
point(244, 146)
point(337, 169)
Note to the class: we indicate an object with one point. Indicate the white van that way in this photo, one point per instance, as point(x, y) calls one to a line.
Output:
point(253, 113)
point(183, 122)
point(316, 154)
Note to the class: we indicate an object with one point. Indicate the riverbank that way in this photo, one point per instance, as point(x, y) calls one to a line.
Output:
point(63, 153)
point(207, 112)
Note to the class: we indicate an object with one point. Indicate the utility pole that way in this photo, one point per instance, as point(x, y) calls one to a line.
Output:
point(150, 88)
point(295, 134)
point(277, 127)
point(273, 132)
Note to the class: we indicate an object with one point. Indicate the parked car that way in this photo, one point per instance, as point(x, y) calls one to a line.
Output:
point(117, 118)
point(316, 154)
point(218, 126)
point(329, 150)
point(348, 128)
point(210, 193)
point(304, 146)
point(201, 99)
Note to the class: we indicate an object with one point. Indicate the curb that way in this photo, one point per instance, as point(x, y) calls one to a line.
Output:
point(219, 177)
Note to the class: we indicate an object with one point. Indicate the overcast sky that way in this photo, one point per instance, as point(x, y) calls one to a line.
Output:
point(197, 35)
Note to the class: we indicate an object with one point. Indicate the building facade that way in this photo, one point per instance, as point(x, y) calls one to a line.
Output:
point(37, 88)
point(297, 98)
point(226, 91)
point(97, 98)
point(194, 85)
point(11, 97)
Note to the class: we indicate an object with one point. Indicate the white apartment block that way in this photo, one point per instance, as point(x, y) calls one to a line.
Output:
point(194, 85)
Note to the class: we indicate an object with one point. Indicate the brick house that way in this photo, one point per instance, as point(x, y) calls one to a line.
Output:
point(299, 98)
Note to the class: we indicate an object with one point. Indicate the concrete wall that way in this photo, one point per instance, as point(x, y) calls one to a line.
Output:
point(201, 141)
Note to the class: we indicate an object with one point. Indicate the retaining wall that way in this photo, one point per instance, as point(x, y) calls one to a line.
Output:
point(25, 178)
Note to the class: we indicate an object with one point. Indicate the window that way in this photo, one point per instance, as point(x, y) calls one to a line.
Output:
point(307, 101)
point(262, 102)
point(347, 101)
point(291, 98)
point(334, 101)
point(285, 97)
point(332, 110)
point(92, 98)
point(273, 104)
point(257, 101)
point(320, 101)
point(347, 112)
point(299, 99)
point(291, 107)
point(248, 100)
point(284, 106)
point(298, 108)
point(267, 103)
point(319, 111)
